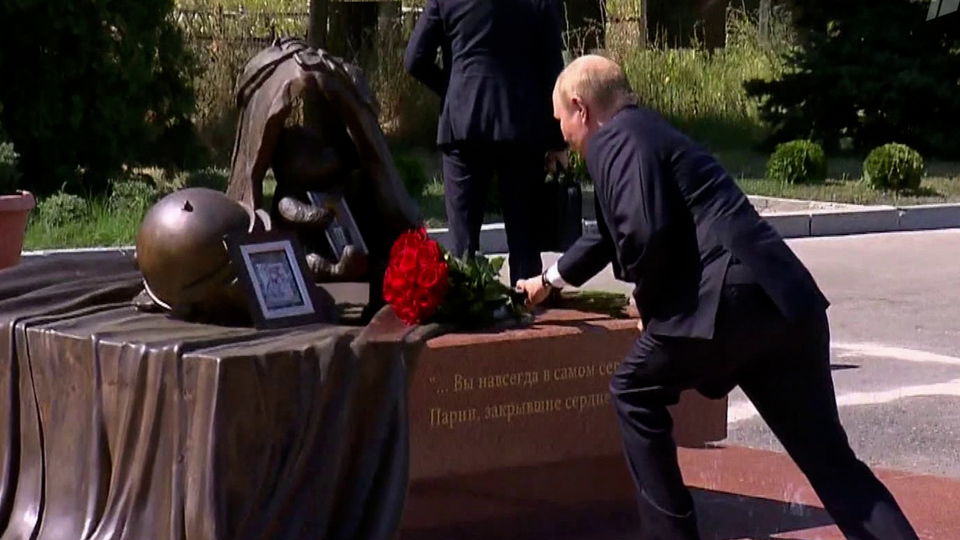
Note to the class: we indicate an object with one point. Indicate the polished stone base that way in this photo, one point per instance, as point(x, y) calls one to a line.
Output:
point(533, 395)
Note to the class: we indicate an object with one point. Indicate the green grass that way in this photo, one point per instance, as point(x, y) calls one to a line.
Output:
point(99, 225)
point(940, 185)
point(249, 5)
point(932, 190)
point(701, 91)
point(102, 225)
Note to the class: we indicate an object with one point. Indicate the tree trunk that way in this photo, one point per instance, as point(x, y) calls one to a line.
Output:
point(317, 39)
point(766, 12)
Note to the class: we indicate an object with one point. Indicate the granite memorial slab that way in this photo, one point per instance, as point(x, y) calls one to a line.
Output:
point(512, 433)
point(530, 396)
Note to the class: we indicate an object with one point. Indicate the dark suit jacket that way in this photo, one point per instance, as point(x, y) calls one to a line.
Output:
point(671, 219)
point(500, 61)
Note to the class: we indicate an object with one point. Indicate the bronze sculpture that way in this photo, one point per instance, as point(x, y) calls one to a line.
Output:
point(180, 253)
point(346, 156)
point(186, 268)
point(180, 245)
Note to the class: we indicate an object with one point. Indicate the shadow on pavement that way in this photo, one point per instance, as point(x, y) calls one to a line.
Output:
point(722, 516)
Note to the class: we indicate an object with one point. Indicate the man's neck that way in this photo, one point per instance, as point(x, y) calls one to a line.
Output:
point(607, 116)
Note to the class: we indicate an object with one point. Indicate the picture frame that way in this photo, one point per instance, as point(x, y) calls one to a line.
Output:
point(273, 270)
point(342, 230)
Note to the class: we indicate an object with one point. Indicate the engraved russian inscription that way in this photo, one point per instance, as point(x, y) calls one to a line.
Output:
point(539, 390)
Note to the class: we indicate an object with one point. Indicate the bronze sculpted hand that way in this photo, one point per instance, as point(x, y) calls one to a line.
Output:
point(301, 213)
point(353, 265)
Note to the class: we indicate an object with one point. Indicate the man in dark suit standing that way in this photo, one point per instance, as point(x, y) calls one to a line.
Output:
point(500, 59)
point(723, 301)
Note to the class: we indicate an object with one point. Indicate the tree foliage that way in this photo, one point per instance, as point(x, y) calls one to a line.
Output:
point(91, 86)
point(870, 72)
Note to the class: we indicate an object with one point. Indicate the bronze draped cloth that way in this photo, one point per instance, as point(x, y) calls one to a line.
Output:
point(120, 424)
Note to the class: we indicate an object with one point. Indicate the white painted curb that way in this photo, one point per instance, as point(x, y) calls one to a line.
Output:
point(493, 238)
point(866, 219)
point(931, 216)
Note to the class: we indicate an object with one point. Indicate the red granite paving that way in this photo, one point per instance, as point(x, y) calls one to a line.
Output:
point(931, 503)
point(741, 494)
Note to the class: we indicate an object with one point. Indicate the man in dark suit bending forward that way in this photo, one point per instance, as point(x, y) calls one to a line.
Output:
point(723, 302)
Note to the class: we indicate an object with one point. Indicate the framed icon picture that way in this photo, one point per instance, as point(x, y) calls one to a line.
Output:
point(273, 270)
point(342, 230)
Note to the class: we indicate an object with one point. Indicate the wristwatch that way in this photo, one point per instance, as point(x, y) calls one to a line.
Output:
point(545, 282)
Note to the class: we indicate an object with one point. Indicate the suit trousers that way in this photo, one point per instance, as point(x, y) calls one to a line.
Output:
point(468, 170)
point(784, 369)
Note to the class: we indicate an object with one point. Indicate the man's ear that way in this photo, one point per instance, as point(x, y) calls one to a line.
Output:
point(583, 110)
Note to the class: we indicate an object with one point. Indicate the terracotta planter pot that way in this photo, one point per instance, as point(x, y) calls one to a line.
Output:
point(14, 210)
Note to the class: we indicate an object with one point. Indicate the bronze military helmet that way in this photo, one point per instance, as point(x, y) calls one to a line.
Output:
point(181, 254)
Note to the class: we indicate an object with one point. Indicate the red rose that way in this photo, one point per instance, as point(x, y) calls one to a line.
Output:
point(409, 239)
point(399, 281)
point(429, 253)
point(408, 259)
point(406, 314)
point(389, 291)
point(415, 282)
point(424, 301)
point(397, 249)
point(407, 308)
point(429, 276)
point(420, 235)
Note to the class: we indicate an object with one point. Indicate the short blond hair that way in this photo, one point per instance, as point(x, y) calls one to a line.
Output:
point(598, 81)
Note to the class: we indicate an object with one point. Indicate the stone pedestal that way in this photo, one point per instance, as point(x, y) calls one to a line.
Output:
point(503, 421)
point(531, 396)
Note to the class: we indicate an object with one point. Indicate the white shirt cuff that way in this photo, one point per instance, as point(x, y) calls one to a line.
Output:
point(553, 277)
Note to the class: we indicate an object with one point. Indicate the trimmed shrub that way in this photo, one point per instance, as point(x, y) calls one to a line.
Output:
point(209, 177)
point(893, 166)
point(798, 162)
point(62, 208)
point(8, 168)
point(133, 195)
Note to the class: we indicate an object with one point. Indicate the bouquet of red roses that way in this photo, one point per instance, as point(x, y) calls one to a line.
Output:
point(425, 283)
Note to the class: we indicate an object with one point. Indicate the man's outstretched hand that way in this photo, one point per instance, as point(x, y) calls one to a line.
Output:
point(535, 290)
